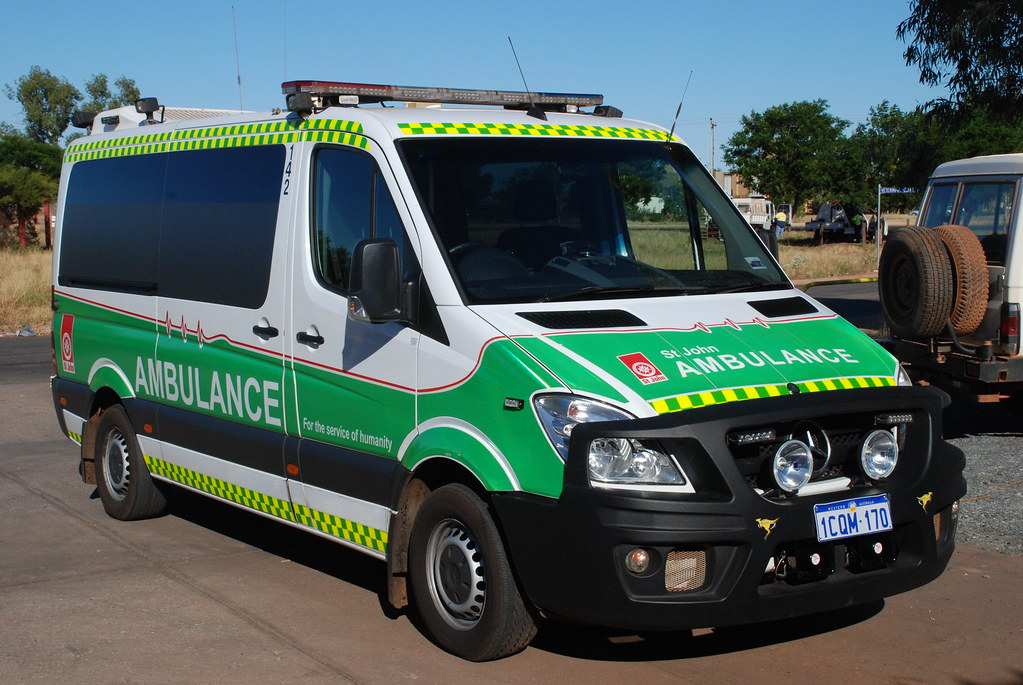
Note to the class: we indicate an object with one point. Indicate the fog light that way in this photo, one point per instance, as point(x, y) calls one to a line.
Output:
point(637, 561)
point(879, 455)
point(792, 465)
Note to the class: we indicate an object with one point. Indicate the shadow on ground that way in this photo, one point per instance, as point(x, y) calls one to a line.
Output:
point(601, 644)
point(598, 644)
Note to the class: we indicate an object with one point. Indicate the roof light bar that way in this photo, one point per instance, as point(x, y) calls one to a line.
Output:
point(333, 92)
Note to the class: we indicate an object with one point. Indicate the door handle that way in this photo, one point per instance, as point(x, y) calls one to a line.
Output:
point(265, 332)
point(306, 339)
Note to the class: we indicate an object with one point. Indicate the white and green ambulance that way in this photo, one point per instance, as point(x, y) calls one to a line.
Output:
point(522, 350)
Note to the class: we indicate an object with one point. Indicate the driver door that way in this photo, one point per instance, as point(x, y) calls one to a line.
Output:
point(354, 382)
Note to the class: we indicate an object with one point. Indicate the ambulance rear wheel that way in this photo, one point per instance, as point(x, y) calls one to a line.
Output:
point(462, 583)
point(125, 487)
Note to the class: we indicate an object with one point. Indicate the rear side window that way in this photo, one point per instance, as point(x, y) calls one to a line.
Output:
point(219, 220)
point(986, 209)
point(195, 225)
point(111, 225)
point(939, 206)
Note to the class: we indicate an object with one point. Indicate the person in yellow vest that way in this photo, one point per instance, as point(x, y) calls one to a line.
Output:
point(780, 221)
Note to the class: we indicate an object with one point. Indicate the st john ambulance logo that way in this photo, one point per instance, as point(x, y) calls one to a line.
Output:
point(643, 368)
point(67, 347)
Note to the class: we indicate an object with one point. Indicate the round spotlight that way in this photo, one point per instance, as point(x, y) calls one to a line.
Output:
point(637, 561)
point(879, 455)
point(792, 466)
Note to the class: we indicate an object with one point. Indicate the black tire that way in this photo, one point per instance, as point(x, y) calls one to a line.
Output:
point(970, 285)
point(125, 487)
point(462, 583)
point(915, 283)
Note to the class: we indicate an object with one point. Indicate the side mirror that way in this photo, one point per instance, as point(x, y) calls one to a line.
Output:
point(374, 294)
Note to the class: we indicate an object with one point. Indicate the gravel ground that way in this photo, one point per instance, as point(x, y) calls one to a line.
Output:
point(991, 514)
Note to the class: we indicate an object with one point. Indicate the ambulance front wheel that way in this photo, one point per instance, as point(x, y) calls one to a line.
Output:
point(125, 487)
point(462, 583)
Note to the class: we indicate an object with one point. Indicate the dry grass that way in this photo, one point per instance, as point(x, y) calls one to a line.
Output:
point(802, 258)
point(25, 291)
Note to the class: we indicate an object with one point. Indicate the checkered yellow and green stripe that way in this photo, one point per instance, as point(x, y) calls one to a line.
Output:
point(325, 523)
point(241, 135)
point(342, 528)
point(432, 129)
point(75, 437)
point(705, 399)
point(219, 488)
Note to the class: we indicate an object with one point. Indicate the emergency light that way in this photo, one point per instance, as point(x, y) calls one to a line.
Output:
point(336, 93)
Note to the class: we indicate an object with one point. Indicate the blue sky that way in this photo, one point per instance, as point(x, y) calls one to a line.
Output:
point(744, 55)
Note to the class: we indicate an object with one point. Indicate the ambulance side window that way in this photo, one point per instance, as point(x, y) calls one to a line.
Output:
point(113, 209)
point(350, 203)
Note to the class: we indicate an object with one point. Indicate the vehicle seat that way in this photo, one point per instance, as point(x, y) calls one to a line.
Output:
point(538, 239)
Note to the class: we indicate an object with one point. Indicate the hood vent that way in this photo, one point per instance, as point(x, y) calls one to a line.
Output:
point(592, 318)
point(786, 306)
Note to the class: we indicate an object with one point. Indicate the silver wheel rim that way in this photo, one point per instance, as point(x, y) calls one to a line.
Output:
point(455, 574)
point(116, 464)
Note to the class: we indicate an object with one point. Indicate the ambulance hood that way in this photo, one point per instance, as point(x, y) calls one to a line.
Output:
point(659, 355)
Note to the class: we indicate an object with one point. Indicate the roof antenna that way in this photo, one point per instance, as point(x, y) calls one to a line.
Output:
point(237, 59)
point(533, 110)
point(671, 133)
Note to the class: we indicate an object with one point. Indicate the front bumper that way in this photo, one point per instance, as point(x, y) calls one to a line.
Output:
point(712, 553)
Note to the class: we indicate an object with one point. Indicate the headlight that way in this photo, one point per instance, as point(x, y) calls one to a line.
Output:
point(619, 460)
point(879, 455)
point(902, 376)
point(609, 460)
point(560, 413)
point(792, 465)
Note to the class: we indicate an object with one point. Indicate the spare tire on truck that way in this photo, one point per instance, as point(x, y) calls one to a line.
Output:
point(915, 282)
point(970, 279)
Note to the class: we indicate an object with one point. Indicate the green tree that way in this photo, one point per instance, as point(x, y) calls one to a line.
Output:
point(17, 149)
point(101, 98)
point(29, 160)
point(48, 102)
point(972, 47)
point(788, 151)
point(22, 193)
point(889, 151)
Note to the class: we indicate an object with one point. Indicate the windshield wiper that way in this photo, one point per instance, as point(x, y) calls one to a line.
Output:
point(751, 287)
point(592, 290)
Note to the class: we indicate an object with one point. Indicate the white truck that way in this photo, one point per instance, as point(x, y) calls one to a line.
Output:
point(757, 210)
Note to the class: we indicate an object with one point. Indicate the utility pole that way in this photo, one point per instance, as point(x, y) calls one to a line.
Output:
point(712, 125)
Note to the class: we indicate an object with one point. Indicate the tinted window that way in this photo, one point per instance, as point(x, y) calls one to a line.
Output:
point(351, 203)
point(219, 222)
point(111, 223)
point(529, 218)
point(195, 225)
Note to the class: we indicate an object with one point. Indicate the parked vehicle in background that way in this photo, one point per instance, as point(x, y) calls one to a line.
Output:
point(757, 210)
point(951, 286)
point(837, 221)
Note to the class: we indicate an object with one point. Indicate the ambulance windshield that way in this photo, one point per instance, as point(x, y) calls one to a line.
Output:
point(538, 219)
